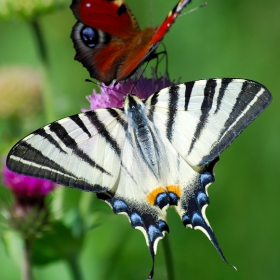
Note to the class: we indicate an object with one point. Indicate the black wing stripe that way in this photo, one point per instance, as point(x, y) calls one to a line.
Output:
point(172, 110)
point(224, 85)
point(252, 99)
point(188, 93)
point(76, 119)
point(42, 132)
point(70, 143)
point(100, 127)
point(206, 106)
point(25, 159)
point(114, 113)
point(241, 103)
point(36, 162)
point(153, 101)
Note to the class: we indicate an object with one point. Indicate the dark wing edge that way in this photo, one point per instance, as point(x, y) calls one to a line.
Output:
point(252, 100)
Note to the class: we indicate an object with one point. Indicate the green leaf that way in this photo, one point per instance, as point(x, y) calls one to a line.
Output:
point(57, 244)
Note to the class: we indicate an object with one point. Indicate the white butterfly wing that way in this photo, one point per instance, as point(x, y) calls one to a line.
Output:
point(202, 118)
point(78, 151)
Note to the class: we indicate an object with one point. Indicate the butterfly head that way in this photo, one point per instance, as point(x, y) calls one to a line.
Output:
point(134, 109)
point(131, 102)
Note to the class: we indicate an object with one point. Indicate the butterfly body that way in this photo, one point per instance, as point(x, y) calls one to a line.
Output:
point(150, 154)
point(109, 41)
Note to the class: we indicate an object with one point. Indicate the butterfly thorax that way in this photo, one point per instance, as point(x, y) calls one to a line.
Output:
point(142, 131)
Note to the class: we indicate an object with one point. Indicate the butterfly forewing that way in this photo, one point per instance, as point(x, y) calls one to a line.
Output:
point(100, 14)
point(81, 151)
point(209, 114)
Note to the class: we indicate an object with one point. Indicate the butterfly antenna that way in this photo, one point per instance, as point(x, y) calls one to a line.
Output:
point(158, 61)
point(91, 81)
point(151, 13)
point(140, 76)
point(194, 9)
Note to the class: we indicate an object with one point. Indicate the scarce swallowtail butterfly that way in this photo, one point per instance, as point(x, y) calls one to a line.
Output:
point(148, 155)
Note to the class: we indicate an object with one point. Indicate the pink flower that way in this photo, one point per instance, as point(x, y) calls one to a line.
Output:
point(113, 95)
point(29, 213)
point(27, 190)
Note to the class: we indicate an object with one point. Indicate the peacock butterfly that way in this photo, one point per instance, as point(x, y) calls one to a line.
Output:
point(109, 41)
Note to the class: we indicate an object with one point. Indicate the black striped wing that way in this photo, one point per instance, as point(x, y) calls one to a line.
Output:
point(82, 151)
point(203, 117)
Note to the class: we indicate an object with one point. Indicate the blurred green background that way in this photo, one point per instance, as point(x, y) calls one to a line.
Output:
point(231, 38)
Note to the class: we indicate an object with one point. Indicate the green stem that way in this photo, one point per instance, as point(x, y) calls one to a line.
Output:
point(45, 68)
point(26, 265)
point(168, 258)
point(74, 267)
point(47, 89)
point(113, 258)
point(85, 203)
point(40, 40)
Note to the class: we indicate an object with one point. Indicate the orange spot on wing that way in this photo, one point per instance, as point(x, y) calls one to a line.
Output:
point(151, 197)
point(175, 189)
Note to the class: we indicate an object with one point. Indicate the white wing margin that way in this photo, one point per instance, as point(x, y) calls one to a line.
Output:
point(82, 151)
point(203, 117)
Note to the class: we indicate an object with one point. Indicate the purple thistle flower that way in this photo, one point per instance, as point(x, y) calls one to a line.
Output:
point(113, 95)
point(29, 213)
point(26, 189)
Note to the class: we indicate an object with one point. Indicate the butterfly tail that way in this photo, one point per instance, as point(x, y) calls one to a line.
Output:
point(193, 203)
point(149, 221)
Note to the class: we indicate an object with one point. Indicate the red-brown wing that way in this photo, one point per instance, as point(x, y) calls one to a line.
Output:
point(112, 17)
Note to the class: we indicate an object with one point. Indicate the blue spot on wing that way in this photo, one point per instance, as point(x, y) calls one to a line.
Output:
point(136, 220)
point(197, 220)
point(163, 226)
point(186, 220)
point(154, 233)
point(119, 206)
point(206, 178)
point(202, 199)
point(173, 198)
point(162, 200)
